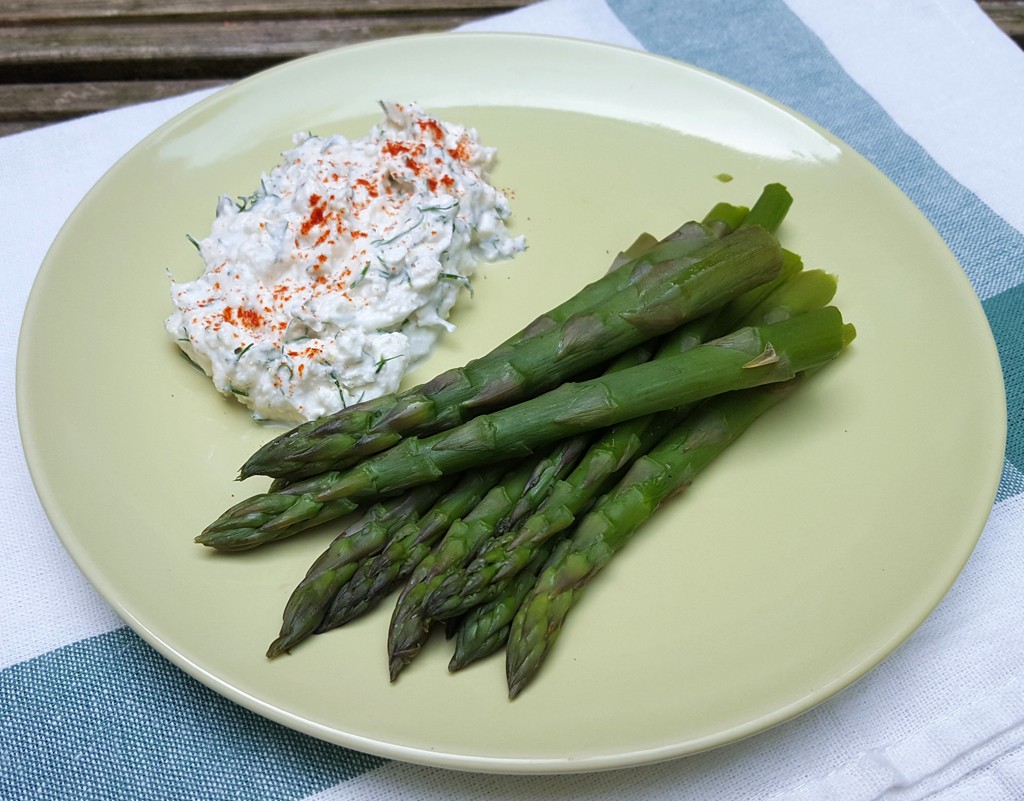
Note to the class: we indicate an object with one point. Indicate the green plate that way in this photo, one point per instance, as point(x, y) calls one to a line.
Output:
point(796, 563)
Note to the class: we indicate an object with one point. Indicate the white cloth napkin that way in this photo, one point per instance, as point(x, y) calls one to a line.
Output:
point(930, 92)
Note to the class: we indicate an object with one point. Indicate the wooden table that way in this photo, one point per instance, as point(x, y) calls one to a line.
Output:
point(61, 59)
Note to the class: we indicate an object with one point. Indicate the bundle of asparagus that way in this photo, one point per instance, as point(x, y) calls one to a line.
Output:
point(494, 493)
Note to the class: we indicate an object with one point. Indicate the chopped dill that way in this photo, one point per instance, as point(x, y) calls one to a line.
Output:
point(399, 235)
point(362, 275)
point(459, 279)
point(382, 361)
point(192, 362)
point(450, 207)
point(246, 202)
point(337, 385)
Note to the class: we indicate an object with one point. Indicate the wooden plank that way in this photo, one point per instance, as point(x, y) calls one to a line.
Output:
point(130, 36)
point(7, 128)
point(49, 102)
point(187, 49)
point(190, 43)
point(45, 11)
point(61, 59)
point(213, 36)
point(1008, 15)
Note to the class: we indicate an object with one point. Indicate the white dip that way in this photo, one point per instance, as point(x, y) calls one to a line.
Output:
point(327, 285)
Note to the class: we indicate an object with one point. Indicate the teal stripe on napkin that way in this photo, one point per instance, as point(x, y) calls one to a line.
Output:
point(763, 45)
point(90, 720)
point(1006, 316)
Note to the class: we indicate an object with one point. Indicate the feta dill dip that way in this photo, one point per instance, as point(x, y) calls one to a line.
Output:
point(337, 275)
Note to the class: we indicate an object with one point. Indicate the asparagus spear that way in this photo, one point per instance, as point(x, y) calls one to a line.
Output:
point(271, 516)
point(667, 286)
point(485, 575)
point(667, 469)
point(268, 517)
point(748, 357)
point(372, 580)
point(503, 557)
point(770, 208)
point(724, 218)
point(569, 451)
point(685, 240)
point(410, 627)
point(485, 627)
point(546, 473)
point(309, 600)
point(376, 576)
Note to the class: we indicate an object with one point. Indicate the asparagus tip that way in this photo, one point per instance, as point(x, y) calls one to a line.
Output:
point(519, 669)
point(516, 686)
point(395, 665)
point(211, 539)
point(277, 647)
